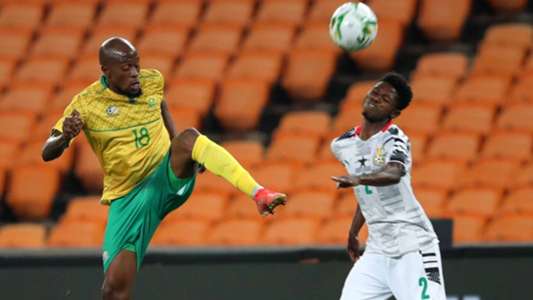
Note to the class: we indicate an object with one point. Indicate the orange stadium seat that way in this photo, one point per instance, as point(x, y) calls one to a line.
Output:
point(491, 173)
point(314, 123)
point(521, 91)
point(482, 202)
point(469, 118)
point(282, 11)
point(381, 56)
point(21, 15)
point(443, 20)
point(279, 177)
point(34, 202)
point(317, 176)
point(3, 176)
point(57, 42)
point(23, 235)
point(200, 206)
point(402, 11)
point(322, 10)
point(433, 89)
point(184, 118)
point(85, 71)
point(510, 145)
point(70, 14)
point(269, 37)
point(162, 63)
point(315, 36)
point(427, 114)
point(26, 98)
point(236, 233)
point(164, 40)
point(63, 98)
point(191, 94)
point(6, 71)
point(510, 35)
point(45, 71)
point(8, 150)
point(462, 147)
point(508, 6)
point(208, 66)
point(433, 201)
point(356, 94)
point(102, 32)
point(293, 231)
point(131, 13)
point(418, 147)
point(258, 65)
point(487, 90)
point(42, 129)
point(233, 12)
point(241, 103)
point(16, 127)
point(346, 205)
point(181, 233)
point(76, 235)
point(308, 74)
point(510, 229)
point(87, 167)
point(468, 229)
point(296, 149)
point(85, 209)
point(242, 207)
point(524, 177)
point(177, 12)
point(31, 156)
point(517, 117)
point(519, 201)
point(437, 174)
point(336, 232)
point(498, 60)
point(16, 43)
point(216, 38)
point(208, 182)
point(309, 204)
point(444, 64)
point(248, 152)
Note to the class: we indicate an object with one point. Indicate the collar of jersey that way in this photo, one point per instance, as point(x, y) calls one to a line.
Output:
point(359, 128)
point(105, 83)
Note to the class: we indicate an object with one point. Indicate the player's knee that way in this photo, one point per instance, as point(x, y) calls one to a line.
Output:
point(185, 140)
point(115, 287)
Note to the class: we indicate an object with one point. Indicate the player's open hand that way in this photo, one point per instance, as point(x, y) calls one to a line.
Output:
point(72, 125)
point(345, 181)
point(353, 247)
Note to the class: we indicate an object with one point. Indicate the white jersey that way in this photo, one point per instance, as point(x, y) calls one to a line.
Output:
point(397, 224)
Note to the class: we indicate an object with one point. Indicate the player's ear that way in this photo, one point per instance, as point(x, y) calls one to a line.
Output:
point(104, 70)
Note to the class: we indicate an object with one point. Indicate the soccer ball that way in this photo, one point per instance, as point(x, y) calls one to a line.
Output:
point(353, 26)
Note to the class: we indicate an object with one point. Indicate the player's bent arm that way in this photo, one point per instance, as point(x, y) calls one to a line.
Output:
point(391, 174)
point(54, 146)
point(167, 119)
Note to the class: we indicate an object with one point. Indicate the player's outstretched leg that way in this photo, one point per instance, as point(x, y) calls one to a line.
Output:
point(190, 146)
point(119, 277)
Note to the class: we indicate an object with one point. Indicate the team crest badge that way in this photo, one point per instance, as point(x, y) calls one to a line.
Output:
point(379, 157)
point(151, 102)
point(112, 111)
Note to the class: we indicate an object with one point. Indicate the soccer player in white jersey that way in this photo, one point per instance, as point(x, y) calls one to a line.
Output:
point(402, 257)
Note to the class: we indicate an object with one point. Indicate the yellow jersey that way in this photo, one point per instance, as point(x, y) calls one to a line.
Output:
point(128, 136)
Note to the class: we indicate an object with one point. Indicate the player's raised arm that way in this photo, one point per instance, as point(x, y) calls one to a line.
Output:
point(390, 174)
point(59, 141)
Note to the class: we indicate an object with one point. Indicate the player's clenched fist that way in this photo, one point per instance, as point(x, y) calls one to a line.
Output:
point(353, 246)
point(72, 125)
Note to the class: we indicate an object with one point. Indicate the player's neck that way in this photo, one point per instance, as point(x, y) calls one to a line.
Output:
point(368, 129)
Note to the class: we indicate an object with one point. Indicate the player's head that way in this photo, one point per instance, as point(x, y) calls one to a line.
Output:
point(387, 98)
point(120, 64)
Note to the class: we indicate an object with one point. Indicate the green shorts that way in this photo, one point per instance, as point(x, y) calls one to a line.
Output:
point(133, 218)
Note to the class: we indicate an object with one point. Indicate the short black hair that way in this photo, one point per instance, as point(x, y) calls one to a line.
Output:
point(400, 84)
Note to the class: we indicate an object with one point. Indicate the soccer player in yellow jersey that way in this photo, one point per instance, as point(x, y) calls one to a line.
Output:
point(149, 167)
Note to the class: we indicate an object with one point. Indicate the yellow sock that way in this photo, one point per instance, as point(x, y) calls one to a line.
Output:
point(220, 162)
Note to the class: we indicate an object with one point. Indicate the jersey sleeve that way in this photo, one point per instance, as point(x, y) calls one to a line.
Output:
point(397, 147)
point(155, 81)
point(335, 150)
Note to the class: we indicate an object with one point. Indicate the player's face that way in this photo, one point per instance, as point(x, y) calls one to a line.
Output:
point(380, 103)
point(123, 75)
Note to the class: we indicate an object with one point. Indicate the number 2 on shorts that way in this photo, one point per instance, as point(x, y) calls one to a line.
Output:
point(423, 282)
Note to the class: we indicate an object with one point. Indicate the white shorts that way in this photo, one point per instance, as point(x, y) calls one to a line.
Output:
point(413, 276)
